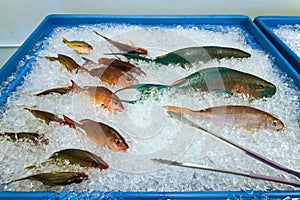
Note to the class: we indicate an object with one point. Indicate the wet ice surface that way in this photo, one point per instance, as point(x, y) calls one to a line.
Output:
point(290, 34)
point(146, 127)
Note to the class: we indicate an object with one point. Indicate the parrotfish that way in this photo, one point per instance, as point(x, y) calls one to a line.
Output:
point(186, 57)
point(56, 178)
point(110, 74)
point(100, 95)
point(65, 61)
point(80, 47)
point(100, 133)
point(26, 136)
point(125, 47)
point(215, 79)
point(234, 116)
point(77, 156)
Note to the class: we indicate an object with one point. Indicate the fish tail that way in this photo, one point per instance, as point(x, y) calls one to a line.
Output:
point(74, 87)
point(51, 58)
point(69, 121)
point(143, 87)
point(64, 40)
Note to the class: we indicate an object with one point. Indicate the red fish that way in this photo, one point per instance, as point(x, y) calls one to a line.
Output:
point(100, 133)
point(100, 95)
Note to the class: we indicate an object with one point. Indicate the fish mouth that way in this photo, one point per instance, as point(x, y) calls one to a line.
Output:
point(267, 91)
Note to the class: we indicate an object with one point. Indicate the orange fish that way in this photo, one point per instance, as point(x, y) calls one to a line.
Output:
point(100, 95)
point(100, 133)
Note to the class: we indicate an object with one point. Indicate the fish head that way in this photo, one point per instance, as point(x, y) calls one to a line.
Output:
point(78, 177)
point(127, 80)
point(98, 162)
point(105, 61)
point(114, 104)
point(116, 142)
point(275, 124)
point(264, 90)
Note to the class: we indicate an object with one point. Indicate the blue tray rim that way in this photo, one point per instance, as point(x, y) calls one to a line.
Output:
point(138, 195)
point(265, 22)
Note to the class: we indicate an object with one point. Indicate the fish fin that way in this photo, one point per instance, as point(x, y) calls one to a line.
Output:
point(69, 121)
point(84, 121)
point(132, 43)
point(74, 87)
point(31, 167)
point(222, 91)
point(51, 58)
point(64, 40)
point(142, 87)
point(177, 82)
point(249, 129)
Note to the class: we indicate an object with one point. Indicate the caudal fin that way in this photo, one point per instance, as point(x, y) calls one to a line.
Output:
point(50, 58)
point(69, 121)
point(74, 87)
point(64, 40)
point(179, 110)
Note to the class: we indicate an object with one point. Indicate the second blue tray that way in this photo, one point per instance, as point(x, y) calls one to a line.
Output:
point(268, 23)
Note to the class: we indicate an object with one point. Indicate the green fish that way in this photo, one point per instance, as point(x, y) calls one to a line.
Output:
point(56, 178)
point(77, 156)
point(191, 55)
point(215, 79)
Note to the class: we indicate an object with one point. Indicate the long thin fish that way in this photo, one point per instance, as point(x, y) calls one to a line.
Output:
point(247, 151)
point(238, 173)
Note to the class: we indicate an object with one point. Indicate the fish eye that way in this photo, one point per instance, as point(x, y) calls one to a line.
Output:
point(274, 123)
point(117, 141)
point(94, 164)
point(260, 87)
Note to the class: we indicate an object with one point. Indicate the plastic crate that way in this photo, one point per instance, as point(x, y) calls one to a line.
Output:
point(253, 36)
point(268, 23)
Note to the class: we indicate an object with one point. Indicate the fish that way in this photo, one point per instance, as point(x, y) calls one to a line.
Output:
point(121, 65)
point(112, 76)
point(56, 178)
point(100, 133)
point(234, 116)
point(100, 95)
point(59, 90)
point(187, 57)
point(26, 136)
point(125, 47)
point(78, 156)
point(80, 47)
point(47, 117)
point(215, 79)
point(65, 61)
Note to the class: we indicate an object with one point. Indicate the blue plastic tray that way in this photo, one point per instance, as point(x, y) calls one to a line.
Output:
point(252, 34)
point(268, 23)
